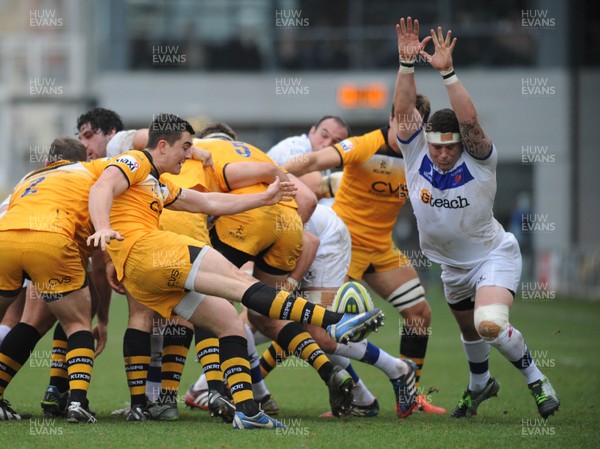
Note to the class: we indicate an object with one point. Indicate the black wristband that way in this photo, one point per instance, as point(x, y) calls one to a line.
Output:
point(448, 75)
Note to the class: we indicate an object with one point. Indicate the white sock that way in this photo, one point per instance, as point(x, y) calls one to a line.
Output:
point(353, 350)
point(367, 352)
point(392, 366)
point(477, 353)
point(259, 338)
point(259, 388)
point(201, 383)
point(361, 394)
point(4, 329)
point(512, 346)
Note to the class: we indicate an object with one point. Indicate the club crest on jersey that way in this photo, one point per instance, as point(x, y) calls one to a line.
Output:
point(457, 177)
point(130, 161)
point(346, 145)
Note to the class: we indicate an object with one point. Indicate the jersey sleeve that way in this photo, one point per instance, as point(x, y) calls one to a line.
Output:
point(357, 150)
point(173, 191)
point(483, 168)
point(411, 147)
point(135, 167)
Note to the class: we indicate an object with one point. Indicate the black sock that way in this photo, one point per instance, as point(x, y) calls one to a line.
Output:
point(136, 353)
point(15, 350)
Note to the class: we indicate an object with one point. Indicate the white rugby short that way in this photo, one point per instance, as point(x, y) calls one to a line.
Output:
point(500, 268)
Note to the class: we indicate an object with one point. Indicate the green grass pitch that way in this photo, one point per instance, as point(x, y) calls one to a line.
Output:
point(563, 333)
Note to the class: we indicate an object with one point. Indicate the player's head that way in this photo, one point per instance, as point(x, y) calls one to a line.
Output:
point(95, 128)
point(444, 139)
point(169, 140)
point(218, 130)
point(328, 131)
point(66, 149)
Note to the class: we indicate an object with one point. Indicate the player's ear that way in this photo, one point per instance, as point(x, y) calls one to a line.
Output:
point(162, 146)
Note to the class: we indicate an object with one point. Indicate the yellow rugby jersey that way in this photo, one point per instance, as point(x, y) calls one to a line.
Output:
point(137, 210)
point(55, 199)
point(225, 152)
point(194, 225)
point(373, 189)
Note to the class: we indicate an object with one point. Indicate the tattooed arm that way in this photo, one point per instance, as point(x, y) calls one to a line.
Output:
point(474, 138)
point(475, 141)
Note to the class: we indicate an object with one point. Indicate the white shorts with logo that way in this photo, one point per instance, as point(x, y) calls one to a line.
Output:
point(500, 268)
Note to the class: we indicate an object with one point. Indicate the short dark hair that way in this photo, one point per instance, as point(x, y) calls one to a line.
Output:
point(336, 118)
point(217, 127)
point(101, 119)
point(66, 149)
point(167, 127)
point(444, 121)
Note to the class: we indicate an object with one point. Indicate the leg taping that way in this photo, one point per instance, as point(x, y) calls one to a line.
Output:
point(491, 320)
point(407, 295)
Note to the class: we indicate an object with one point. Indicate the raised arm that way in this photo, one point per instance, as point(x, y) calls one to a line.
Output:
point(474, 139)
point(405, 93)
point(216, 203)
point(315, 160)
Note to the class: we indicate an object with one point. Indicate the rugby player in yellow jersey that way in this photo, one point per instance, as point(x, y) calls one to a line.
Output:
point(95, 128)
point(170, 343)
point(129, 197)
point(271, 237)
point(40, 237)
point(37, 315)
point(370, 196)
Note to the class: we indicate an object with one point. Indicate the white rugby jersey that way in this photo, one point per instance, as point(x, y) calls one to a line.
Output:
point(292, 146)
point(288, 148)
point(120, 143)
point(295, 146)
point(325, 224)
point(453, 208)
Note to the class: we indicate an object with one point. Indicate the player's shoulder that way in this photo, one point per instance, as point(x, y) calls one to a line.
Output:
point(371, 138)
point(300, 142)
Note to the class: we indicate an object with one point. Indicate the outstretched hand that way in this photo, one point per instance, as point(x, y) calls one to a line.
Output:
point(103, 238)
point(280, 191)
point(441, 60)
point(409, 46)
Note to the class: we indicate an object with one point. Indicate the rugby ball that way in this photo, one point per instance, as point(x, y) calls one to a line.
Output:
point(352, 297)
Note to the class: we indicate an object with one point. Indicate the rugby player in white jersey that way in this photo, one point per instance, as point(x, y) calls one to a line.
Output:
point(329, 130)
point(451, 175)
point(329, 268)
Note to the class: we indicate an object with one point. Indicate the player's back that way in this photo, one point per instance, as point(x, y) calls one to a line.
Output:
point(225, 152)
point(53, 199)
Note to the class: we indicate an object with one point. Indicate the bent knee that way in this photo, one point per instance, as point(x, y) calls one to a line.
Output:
point(491, 320)
point(488, 330)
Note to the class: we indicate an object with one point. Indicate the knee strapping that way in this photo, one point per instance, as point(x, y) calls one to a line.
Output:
point(407, 295)
point(491, 320)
